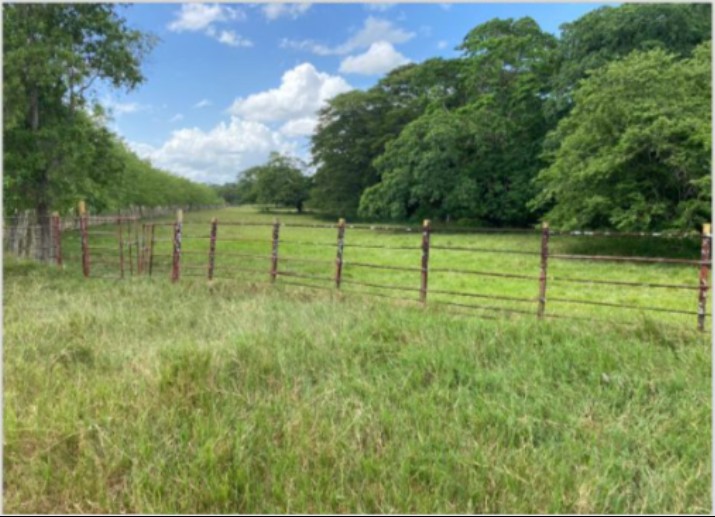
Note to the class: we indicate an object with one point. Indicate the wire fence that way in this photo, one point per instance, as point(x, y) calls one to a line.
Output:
point(119, 247)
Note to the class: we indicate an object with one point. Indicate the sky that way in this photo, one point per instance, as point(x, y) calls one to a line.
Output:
point(229, 83)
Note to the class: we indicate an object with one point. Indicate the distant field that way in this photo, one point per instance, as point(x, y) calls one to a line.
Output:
point(143, 396)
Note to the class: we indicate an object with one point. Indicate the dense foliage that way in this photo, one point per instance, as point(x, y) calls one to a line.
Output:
point(57, 149)
point(280, 182)
point(606, 126)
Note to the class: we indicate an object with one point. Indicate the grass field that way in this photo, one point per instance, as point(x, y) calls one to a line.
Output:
point(143, 396)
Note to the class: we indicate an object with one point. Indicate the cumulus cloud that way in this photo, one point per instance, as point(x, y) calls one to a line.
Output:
point(299, 127)
point(442, 44)
point(117, 109)
point(379, 6)
point(276, 10)
point(302, 92)
point(217, 155)
point(373, 30)
point(176, 118)
point(203, 17)
point(197, 17)
point(380, 58)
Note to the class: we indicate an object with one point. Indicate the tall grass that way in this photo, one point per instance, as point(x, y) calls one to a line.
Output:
point(142, 396)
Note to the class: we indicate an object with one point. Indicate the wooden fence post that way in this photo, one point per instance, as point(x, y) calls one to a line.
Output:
point(426, 230)
point(176, 263)
point(85, 244)
point(544, 268)
point(120, 239)
point(212, 248)
point(705, 255)
point(339, 257)
point(58, 237)
point(151, 249)
point(274, 253)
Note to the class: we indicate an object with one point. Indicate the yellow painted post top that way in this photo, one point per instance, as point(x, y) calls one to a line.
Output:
point(341, 221)
point(179, 216)
point(55, 214)
point(706, 229)
point(544, 225)
point(425, 223)
point(81, 208)
point(214, 220)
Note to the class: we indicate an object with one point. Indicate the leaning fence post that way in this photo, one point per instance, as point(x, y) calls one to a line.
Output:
point(425, 259)
point(339, 257)
point(58, 237)
point(212, 248)
point(544, 267)
point(274, 253)
point(85, 238)
point(705, 254)
point(176, 263)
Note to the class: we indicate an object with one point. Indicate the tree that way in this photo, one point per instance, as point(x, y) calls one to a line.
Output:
point(634, 153)
point(53, 54)
point(611, 33)
point(280, 182)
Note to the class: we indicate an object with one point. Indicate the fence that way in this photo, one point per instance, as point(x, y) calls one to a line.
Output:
point(193, 249)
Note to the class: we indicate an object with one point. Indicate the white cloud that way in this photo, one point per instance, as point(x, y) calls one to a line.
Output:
point(203, 103)
point(380, 58)
point(176, 118)
point(299, 127)
point(374, 30)
point(203, 17)
point(117, 109)
point(445, 7)
point(197, 17)
point(276, 10)
point(234, 40)
point(442, 44)
point(303, 91)
point(217, 155)
point(378, 6)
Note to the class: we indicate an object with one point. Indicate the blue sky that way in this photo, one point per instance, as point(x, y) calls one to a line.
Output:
point(229, 83)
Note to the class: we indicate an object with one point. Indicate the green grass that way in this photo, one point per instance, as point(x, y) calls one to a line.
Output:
point(143, 396)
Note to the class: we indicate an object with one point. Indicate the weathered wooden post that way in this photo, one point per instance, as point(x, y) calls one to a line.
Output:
point(56, 223)
point(426, 230)
point(705, 255)
point(151, 249)
point(212, 247)
point(176, 263)
point(120, 239)
point(544, 268)
point(85, 238)
point(274, 253)
point(339, 257)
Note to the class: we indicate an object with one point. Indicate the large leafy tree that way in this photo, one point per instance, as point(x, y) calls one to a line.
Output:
point(611, 33)
point(634, 153)
point(55, 151)
point(280, 181)
point(475, 161)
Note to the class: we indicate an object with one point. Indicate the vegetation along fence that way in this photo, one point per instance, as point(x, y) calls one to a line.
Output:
point(120, 246)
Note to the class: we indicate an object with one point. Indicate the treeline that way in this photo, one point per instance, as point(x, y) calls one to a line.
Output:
point(607, 126)
point(57, 149)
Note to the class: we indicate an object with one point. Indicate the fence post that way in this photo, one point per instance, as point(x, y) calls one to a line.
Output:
point(426, 228)
point(274, 253)
point(212, 248)
point(58, 237)
point(85, 243)
point(339, 257)
point(176, 263)
point(705, 255)
point(544, 268)
point(141, 247)
point(151, 249)
point(120, 239)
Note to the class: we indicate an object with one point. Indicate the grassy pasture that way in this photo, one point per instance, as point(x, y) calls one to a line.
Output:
point(144, 396)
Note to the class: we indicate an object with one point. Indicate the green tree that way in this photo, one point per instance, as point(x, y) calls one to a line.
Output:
point(634, 153)
point(611, 33)
point(53, 55)
point(280, 182)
